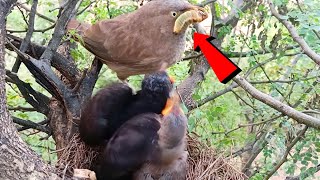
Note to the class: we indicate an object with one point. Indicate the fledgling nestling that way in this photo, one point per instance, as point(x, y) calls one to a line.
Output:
point(149, 39)
point(112, 106)
point(148, 146)
point(171, 163)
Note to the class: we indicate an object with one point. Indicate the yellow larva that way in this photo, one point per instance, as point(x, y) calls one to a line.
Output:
point(187, 18)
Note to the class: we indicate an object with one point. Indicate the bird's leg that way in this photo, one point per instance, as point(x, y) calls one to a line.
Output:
point(164, 67)
point(125, 81)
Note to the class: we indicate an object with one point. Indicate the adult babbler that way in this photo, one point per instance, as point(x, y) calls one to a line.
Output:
point(149, 39)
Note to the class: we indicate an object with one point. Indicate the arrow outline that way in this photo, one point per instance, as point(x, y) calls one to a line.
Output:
point(234, 73)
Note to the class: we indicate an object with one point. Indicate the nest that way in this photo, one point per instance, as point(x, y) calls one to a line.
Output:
point(203, 162)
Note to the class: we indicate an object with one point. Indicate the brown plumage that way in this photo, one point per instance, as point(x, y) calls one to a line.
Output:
point(149, 39)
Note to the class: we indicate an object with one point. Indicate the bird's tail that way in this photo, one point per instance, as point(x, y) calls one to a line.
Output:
point(79, 27)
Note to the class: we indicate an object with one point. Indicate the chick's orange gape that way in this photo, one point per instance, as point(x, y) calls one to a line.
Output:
point(173, 101)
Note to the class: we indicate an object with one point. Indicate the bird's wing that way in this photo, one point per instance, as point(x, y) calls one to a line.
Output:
point(99, 116)
point(122, 41)
point(131, 146)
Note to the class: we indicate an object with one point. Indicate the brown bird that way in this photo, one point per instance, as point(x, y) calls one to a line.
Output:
point(149, 39)
point(148, 146)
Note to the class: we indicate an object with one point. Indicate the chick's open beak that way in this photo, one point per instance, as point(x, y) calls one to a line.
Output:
point(172, 103)
point(171, 79)
point(192, 15)
point(168, 107)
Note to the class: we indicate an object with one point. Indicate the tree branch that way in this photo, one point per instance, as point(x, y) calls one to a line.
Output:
point(36, 99)
point(38, 14)
point(285, 109)
point(202, 4)
point(46, 121)
point(259, 52)
point(30, 124)
point(45, 76)
point(67, 68)
point(36, 30)
point(201, 67)
point(22, 109)
point(88, 82)
point(59, 31)
point(26, 41)
point(215, 95)
point(309, 52)
point(303, 174)
point(284, 157)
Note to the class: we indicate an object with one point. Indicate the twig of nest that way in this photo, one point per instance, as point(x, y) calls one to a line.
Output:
point(77, 155)
point(203, 162)
point(206, 164)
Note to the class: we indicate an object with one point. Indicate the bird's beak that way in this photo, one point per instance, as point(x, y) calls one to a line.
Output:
point(171, 79)
point(168, 107)
point(194, 14)
point(172, 101)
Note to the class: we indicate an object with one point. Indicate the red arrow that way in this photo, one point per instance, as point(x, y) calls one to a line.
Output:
point(222, 66)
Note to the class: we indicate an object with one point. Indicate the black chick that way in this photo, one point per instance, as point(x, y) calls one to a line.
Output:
point(152, 97)
point(99, 117)
point(148, 146)
point(129, 147)
point(115, 104)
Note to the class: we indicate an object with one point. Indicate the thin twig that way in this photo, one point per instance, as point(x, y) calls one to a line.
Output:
point(294, 34)
point(285, 109)
point(38, 14)
point(26, 41)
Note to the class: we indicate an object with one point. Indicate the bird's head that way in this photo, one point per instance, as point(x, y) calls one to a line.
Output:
point(177, 14)
point(157, 84)
point(173, 122)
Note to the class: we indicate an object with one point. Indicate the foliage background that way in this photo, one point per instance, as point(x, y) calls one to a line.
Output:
point(225, 122)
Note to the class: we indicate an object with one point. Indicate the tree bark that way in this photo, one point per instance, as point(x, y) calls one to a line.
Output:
point(17, 160)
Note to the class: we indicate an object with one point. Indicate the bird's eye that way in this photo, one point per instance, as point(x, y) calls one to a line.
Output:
point(173, 14)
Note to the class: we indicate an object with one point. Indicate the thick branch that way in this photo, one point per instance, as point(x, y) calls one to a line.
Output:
point(59, 31)
point(36, 99)
point(46, 121)
point(197, 74)
point(67, 68)
point(87, 84)
point(206, 3)
point(42, 72)
point(17, 160)
point(309, 52)
point(257, 147)
point(279, 106)
point(30, 124)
